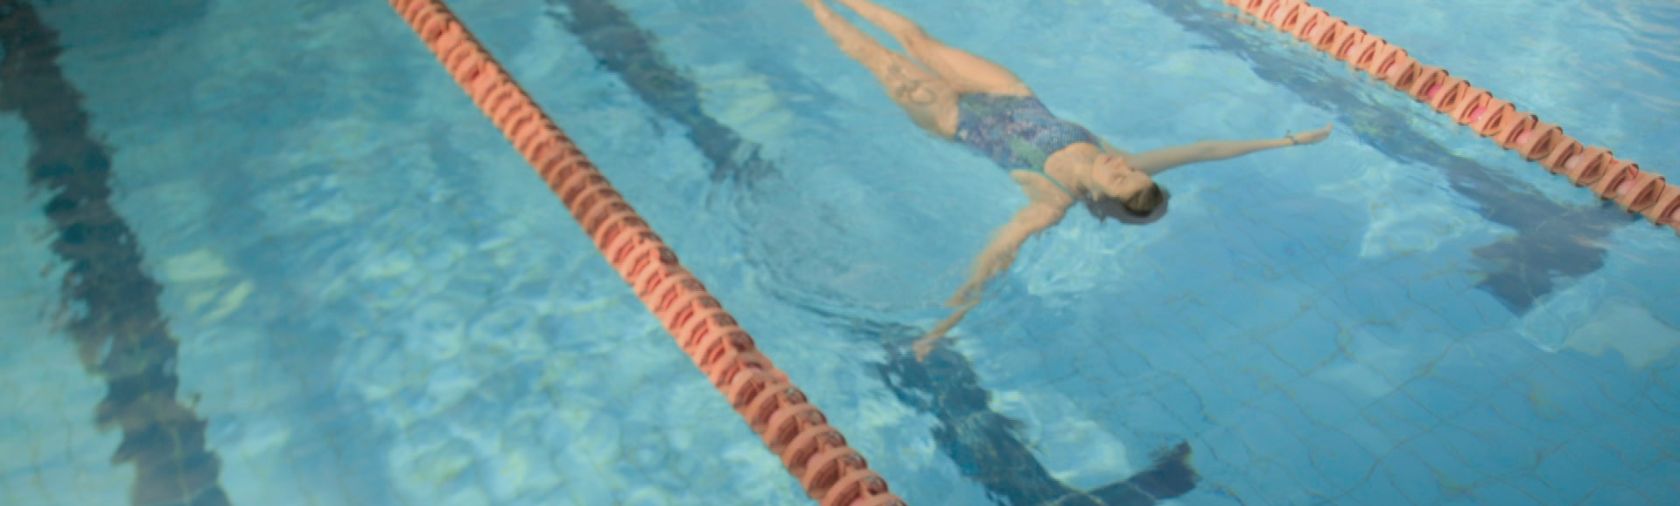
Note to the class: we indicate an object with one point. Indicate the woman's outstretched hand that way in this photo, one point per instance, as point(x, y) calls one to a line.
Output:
point(925, 345)
point(1311, 137)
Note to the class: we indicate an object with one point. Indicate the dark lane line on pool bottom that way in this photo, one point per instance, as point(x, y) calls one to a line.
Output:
point(1552, 240)
point(986, 445)
point(112, 304)
point(627, 50)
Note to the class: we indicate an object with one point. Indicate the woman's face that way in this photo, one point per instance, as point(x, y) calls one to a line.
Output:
point(1116, 179)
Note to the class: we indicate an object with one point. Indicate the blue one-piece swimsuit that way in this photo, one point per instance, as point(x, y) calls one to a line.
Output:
point(1017, 132)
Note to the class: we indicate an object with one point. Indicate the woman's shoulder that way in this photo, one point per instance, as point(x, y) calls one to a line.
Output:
point(1043, 190)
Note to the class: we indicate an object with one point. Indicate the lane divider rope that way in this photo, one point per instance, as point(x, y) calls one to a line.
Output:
point(814, 452)
point(1596, 168)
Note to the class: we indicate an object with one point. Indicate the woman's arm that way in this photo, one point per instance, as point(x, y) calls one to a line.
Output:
point(1158, 161)
point(1000, 252)
point(995, 258)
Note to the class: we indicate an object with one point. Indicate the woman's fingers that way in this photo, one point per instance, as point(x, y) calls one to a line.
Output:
point(1313, 136)
point(1322, 133)
point(923, 347)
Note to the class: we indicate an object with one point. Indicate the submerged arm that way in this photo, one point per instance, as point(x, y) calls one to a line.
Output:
point(1000, 252)
point(995, 258)
point(1160, 160)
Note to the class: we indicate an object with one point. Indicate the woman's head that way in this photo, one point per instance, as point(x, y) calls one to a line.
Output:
point(1124, 193)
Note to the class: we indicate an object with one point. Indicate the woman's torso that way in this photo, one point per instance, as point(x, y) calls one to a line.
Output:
point(1016, 131)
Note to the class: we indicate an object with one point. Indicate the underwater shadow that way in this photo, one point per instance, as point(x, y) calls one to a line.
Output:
point(625, 49)
point(1552, 241)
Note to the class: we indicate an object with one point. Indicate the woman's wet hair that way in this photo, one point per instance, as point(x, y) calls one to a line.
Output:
point(1143, 208)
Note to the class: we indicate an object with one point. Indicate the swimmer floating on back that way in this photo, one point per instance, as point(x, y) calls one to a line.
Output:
point(965, 98)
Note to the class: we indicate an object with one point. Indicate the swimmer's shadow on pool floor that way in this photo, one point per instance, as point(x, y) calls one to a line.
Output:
point(987, 446)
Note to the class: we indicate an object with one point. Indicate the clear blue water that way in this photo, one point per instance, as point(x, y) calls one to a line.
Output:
point(378, 303)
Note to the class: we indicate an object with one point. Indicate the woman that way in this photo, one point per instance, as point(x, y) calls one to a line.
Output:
point(965, 98)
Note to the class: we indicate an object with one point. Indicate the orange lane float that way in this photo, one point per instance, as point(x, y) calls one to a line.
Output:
point(1667, 209)
point(813, 451)
point(1638, 191)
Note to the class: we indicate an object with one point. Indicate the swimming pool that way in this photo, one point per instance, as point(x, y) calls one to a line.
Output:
point(377, 304)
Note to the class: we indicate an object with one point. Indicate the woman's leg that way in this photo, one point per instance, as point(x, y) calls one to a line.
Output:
point(967, 72)
point(930, 101)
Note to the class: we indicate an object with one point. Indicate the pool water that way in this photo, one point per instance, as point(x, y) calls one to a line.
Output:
point(334, 282)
